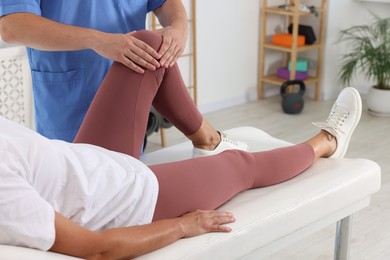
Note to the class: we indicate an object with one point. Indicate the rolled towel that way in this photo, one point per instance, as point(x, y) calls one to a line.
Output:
point(164, 123)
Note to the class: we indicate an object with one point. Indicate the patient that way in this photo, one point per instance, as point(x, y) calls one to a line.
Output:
point(93, 198)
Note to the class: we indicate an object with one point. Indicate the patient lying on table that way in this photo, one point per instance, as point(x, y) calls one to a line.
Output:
point(94, 199)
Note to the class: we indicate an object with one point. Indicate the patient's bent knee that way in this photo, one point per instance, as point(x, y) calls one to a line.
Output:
point(151, 38)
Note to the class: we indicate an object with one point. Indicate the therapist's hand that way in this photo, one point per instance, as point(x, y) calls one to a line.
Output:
point(128, 50)
point(174, 43)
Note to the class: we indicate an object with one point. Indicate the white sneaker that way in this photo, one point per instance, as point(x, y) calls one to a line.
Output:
point(225, 144)
point(343, 119)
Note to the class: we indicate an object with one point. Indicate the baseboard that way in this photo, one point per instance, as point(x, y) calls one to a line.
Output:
point(269, 92)
point(226, 103)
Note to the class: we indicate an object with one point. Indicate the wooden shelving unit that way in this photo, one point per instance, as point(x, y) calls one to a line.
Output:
point(292, 15)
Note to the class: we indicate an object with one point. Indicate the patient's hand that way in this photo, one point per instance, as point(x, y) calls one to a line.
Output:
point(203, 221)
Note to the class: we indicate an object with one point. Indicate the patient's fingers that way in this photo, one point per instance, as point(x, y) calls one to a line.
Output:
point(203, 221)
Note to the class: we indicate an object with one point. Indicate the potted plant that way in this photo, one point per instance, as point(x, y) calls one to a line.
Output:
point(369, 55)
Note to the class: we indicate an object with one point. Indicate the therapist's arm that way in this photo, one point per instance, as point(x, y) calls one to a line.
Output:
point(129, 242)
point(173, 17)
point(43, 34)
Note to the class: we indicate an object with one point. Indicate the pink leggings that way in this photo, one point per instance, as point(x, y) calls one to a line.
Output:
point(117, 120)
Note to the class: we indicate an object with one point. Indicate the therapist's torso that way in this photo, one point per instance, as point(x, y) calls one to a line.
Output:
point(64, 83)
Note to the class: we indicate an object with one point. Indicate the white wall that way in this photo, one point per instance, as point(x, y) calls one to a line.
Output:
point(341, 15)
point(228, 36)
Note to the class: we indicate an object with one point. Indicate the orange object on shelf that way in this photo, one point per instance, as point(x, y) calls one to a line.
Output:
point(286, 39)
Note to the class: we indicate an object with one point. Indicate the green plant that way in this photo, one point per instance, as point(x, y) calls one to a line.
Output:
point(369, 52)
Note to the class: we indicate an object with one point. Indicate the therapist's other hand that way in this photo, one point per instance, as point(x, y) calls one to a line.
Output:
point(203, 221)
point(174, 43)
point(128, 50)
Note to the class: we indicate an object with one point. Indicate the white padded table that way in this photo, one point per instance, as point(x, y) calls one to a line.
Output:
point(270, 218)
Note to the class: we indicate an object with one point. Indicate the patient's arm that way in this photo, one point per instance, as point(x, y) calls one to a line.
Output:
point(130, 242)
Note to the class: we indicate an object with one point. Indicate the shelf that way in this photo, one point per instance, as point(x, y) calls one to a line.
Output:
point(277, 10)
point(292, 15)
point(275, 80)
point(289, 49)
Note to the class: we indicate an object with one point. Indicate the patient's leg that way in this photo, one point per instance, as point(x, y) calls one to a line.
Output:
point(208, 182)
point(118, 115)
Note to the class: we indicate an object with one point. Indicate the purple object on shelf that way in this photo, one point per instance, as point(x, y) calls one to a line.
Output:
point(284, 73)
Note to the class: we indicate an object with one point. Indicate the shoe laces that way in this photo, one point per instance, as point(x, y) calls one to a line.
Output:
point(225, 138)
point(335, 121)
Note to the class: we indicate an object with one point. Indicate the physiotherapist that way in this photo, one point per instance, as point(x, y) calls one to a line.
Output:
point(71, 44)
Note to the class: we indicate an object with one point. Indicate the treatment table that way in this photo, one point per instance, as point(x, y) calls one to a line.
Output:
point(267, 219)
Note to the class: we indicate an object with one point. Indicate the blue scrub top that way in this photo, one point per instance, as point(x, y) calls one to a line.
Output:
point(65, 82)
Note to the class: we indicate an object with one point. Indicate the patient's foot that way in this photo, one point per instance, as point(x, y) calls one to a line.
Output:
point(208, 141)
point(224, 144)
point(343, 119)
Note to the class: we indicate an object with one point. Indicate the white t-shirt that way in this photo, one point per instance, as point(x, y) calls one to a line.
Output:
point(92, 186)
